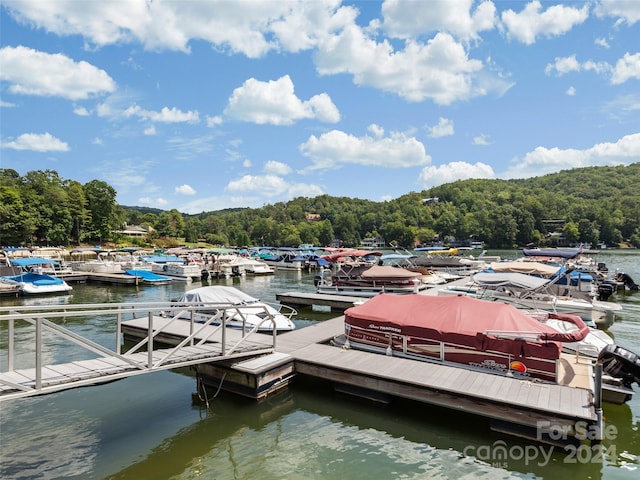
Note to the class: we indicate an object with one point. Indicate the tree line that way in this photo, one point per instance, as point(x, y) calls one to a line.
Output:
point(591, 205)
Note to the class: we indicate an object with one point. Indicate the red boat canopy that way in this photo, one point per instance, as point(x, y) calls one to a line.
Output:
point(335, 257)
point(460, 319)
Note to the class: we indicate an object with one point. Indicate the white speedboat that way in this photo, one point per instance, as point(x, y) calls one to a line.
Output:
point(240, 310)
point(31, 280)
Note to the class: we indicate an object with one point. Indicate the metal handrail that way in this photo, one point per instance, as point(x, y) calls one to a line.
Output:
point(43, 318)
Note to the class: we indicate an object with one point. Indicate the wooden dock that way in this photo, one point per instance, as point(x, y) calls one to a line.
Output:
point(262, 364)
point(521, 402)
point(512, 405)
point(338, 303)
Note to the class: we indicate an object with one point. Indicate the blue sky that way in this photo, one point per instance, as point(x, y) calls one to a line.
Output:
point(202, 105)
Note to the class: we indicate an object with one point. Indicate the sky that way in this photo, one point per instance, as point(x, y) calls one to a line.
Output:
point(201, 105)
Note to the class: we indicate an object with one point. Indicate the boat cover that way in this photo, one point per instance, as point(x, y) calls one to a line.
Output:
point(509, 279)
point(551, 252)
point(346, 254)
point(387, 271)
point(147, 275)
point(463, 320)
point(440, 262)
point(529, 268)
point(29, 261)
point(216, 294)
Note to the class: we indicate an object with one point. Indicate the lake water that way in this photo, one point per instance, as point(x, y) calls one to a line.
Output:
point(153, 426)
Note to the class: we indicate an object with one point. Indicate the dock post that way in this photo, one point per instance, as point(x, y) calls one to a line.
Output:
point(597, 401)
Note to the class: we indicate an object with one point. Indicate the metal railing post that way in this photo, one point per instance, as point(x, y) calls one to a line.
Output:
point(118, 331)
point(10, 352)
point(150, 341)
point(192, 326)
point(39, 353)
point(224, 333)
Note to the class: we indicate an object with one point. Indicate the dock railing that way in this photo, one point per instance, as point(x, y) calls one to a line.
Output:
point(25, 346)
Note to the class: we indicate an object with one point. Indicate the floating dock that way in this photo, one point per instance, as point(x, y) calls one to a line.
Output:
point(512, 405)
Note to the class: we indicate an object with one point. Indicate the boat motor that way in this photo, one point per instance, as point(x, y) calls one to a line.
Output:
point(620, 363)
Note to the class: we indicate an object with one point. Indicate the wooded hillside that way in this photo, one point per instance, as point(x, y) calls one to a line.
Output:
point(595, 204)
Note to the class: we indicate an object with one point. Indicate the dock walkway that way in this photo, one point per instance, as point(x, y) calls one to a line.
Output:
point(194, 343)
point(497, 397)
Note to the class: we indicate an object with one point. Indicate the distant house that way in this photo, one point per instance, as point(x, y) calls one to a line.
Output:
point(134, 231)
point(313, 217)
point(558, 239)
point(373, 242)
point(430, 201)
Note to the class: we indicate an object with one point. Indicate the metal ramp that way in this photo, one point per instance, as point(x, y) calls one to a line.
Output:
point(33, 332)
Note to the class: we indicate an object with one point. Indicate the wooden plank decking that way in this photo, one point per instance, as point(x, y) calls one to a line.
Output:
point(495, 396)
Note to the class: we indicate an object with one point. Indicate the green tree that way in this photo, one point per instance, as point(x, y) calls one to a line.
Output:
point(101, 202)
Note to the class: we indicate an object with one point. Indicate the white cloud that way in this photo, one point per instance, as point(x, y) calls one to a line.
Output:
point(213, 121)
point(544, 160)
point(97, 141)
point(439, 70)
point(331, 149)
point(481, 139)
point(4, 104)
point(150, 130)
point(37, 142)
point(275, 103)
point(376, 130)
point(242, 26)
point(409, 19)
point(432, 176)
point(166, 115)
point(81, 111)
point(571, 91)
point(602, 42)
point(185, 190)
point(277, 168)
point(564, 65)
point(30, 72)
point(444, 128)
point(626, 68)
point(626, 10)
point(531, 22)
point(157, 202)
point(270, 186)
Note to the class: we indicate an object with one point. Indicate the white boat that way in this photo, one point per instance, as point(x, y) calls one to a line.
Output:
point(283, 260)
point(252, 266)
point(102, 263)
point(174, 267)
point(240, 309)
point(31, 280)
point(526, 291)
point(56, 254)
point(590, 346)
point(178, 271)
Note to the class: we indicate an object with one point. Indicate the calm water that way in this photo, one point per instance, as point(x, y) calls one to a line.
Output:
point(153, 426)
